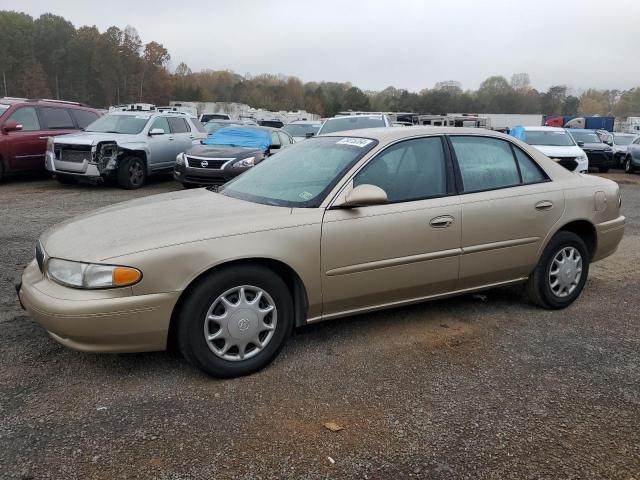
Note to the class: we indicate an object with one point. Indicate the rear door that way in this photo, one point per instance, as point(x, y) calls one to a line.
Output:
point(508, 207)
point(28, 145)
point(181, 130)
point(407, 249)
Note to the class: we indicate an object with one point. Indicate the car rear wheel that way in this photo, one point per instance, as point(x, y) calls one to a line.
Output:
point(1, 169)
point(235, 322)
point(561, 273)
point(628, 165)
point(132, 173)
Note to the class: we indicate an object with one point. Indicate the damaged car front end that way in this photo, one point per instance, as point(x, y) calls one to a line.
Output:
point(85, 157)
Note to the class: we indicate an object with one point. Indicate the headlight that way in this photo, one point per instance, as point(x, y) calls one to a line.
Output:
point(180, 159)
point(246, 162)
point(87, 275)
point(50, 144)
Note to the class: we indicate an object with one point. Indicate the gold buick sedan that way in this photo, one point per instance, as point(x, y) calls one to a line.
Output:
point(329, 227)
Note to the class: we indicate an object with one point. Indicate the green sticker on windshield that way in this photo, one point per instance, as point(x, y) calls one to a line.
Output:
point(306, 196)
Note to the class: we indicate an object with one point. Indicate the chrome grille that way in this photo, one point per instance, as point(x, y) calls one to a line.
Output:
point(203, 162)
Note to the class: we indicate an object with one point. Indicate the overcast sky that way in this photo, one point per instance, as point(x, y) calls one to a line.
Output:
point(374, 43)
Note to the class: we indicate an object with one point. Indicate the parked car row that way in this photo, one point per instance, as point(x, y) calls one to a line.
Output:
point(581, 149)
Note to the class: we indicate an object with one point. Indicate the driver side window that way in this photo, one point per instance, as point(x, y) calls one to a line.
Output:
point(410, 170)
point(161, 122)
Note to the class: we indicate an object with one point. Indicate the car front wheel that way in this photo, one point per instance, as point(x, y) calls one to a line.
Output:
point(132, 173)
point(235, 321)
point(628, 165)
point(561, 273)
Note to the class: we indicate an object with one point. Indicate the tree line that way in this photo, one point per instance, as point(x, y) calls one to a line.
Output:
point(48, 57)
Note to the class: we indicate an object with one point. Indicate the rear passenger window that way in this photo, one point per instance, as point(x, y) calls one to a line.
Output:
point(485, 163)
point(84, 118)
point(178, 125)
point(56, 118)
point(531, 172)
point(26, 117)
point(410, 170)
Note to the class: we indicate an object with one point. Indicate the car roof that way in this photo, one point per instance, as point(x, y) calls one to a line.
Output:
point(386, 134)
point(624, 134)
point(370, 115)
point(581, 130)
point(311, 122)
point(43, 103)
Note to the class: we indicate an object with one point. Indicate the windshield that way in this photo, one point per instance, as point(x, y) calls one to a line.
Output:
point(128, 124)
point(245, 137)
point(354, 122)
point(586, 137)
point(551, 138)
point(300, 175)
point(301, 129)
point(622, 140)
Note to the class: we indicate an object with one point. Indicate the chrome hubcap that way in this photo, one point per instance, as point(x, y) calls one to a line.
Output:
point(565, 272)
point(240, 323)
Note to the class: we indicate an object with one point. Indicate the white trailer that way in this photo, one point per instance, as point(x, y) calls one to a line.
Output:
point(506, 121)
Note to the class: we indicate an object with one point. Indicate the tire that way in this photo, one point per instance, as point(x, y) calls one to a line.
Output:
point(132, 173)
point(603, 169)
point(539, 287)
point(1, 170)
point(204, 301)
point(66, 179)
point(628, 165)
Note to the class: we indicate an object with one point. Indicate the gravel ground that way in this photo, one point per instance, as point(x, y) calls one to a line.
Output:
point(482, 387)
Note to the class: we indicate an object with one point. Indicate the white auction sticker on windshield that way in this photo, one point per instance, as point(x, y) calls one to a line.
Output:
point(356, 142)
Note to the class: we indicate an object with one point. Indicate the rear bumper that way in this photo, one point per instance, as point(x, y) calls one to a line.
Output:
point(91, 321)
point(609, 234)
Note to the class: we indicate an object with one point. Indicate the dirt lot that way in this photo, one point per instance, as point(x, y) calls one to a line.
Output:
point(482, 387)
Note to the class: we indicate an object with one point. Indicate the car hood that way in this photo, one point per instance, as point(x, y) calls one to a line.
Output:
point(223, 152)
point(93, 138)
point(560, 152)
point(158, 221)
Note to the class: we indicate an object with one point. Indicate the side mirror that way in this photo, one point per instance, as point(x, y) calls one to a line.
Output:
point(12, 127)
point(156, 131)
point(274, 147)
point(581, 144)
point(309, 134)
point(362, 196)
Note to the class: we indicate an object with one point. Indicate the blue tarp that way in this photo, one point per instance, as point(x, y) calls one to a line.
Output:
point(518, 132)
point(240, 137)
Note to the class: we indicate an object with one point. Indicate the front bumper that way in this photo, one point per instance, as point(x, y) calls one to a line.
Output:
point(206, 176)
point(600, 159)
point(79, 169)
point(609, 234)
point(97, 320)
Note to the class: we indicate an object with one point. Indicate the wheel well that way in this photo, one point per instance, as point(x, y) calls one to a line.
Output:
point(586, 231)
point(135, 153)
point(284, 271)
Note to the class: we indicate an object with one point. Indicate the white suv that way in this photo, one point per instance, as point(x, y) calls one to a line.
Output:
point(557, 144)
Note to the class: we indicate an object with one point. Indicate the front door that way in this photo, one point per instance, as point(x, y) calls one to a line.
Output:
point(28, 145)
point(405, 250)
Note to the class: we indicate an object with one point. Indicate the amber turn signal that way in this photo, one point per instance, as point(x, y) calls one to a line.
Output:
point(123, 276)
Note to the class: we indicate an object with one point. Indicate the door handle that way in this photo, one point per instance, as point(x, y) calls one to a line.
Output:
point(544, 205)
point(442, 221)
point(170, 138)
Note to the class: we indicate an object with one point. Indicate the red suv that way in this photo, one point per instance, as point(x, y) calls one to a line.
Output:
point(25, 126)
